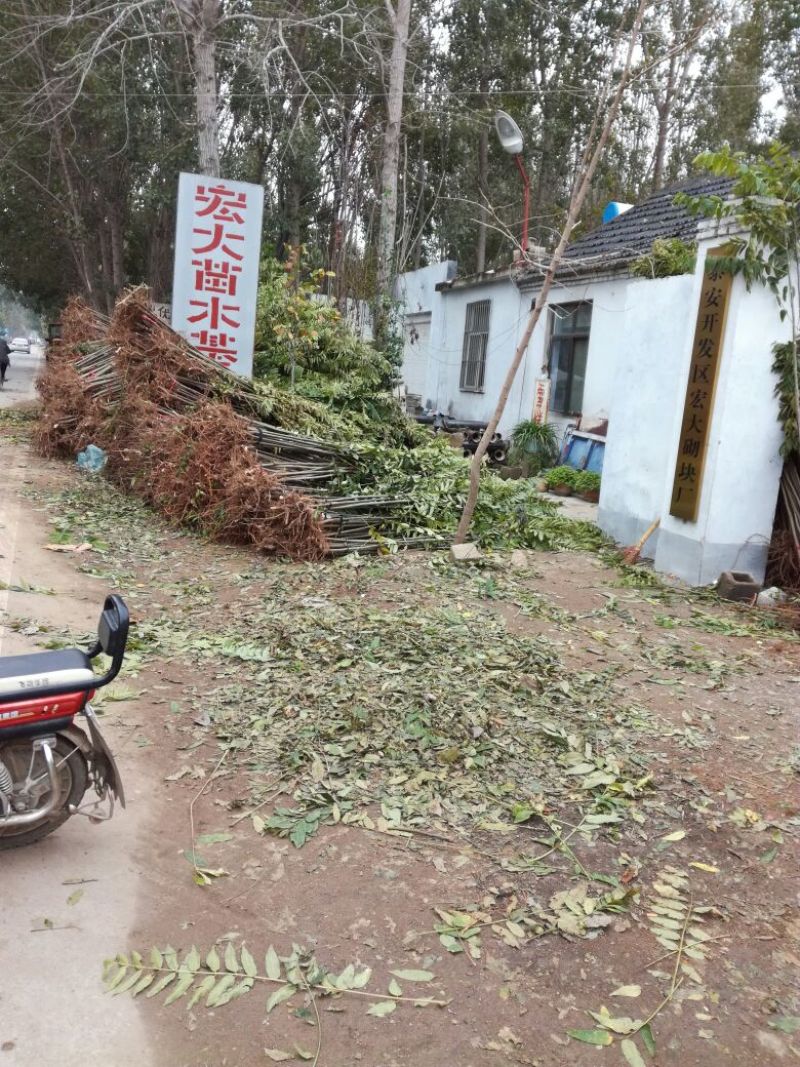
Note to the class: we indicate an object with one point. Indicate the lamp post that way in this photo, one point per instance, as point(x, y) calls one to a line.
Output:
point(510, 137)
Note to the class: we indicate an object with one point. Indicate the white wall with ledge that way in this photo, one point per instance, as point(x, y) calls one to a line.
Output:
point(610, 302)
point(418, 300)
point(506, 323)
point(415, 290)
point(743, 463)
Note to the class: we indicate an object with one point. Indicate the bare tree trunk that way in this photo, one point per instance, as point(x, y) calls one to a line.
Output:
point(483, 195)
point(77, 238)
point(591, 157)
point(293, 212)
point(200, 19)
point(78, 242)
point(115, 228)
point(401, 18)
point(159, 258)
point(104, 246)
point(661, 147)
point(663, 108)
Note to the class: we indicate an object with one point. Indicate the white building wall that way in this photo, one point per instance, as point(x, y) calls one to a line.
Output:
point(415, 292)
point(743, 462)
point(509, 313)
point(639, 353)
point(506, 322)
point(655, 330)
point(609, 301)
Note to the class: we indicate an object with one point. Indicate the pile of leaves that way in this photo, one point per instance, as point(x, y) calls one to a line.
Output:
point(411, 716)
point(433, 482)
point(340, 389)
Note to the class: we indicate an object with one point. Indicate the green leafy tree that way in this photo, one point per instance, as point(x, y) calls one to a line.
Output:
point(783, 55)
point(727, 101)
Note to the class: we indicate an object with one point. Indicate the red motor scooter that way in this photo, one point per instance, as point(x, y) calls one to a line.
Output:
point(47, 762)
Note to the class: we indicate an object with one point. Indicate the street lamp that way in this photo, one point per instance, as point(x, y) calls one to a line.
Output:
point(510, 137)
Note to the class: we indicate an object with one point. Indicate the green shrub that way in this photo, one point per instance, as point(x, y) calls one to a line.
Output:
point(299, 331)
point(534, 445)
point(561, 476)
point(586, 482)
point(667, 257)
point(309, 361)
point(784, 366)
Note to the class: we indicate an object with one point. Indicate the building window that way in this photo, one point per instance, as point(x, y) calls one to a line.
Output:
point(476, 337)
point(569, 346)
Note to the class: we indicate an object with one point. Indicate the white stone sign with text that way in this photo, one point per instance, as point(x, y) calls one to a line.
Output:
point(215, 284)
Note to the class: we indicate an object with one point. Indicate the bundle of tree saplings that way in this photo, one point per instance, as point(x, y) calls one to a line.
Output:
point(185, 434)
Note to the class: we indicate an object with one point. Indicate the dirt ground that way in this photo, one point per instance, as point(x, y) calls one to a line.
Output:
point(713, 728)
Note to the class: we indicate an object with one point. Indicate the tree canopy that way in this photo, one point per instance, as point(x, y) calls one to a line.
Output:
point(103, 103)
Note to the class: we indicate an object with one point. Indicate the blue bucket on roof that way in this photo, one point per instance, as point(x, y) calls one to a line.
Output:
point(614, 209)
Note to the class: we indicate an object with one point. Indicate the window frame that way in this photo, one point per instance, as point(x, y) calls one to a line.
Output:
point(476, 328)
point(570, 336)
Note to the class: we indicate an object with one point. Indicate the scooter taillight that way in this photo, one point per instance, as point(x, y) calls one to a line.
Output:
point(25, 712)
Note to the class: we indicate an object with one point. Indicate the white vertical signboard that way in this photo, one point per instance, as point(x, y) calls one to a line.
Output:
point(217, 249)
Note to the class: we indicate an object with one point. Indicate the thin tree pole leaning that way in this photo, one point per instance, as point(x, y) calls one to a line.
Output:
point(591, 158)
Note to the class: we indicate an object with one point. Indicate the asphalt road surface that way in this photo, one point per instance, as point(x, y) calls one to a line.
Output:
point(21, 378)
point(69, 901)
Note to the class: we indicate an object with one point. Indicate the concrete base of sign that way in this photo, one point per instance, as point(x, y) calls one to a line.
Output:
point(702, 562)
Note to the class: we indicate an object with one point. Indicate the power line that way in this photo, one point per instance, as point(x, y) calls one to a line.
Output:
point(456, 94)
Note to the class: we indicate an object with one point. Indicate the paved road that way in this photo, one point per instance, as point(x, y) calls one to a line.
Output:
point(52, 1008)
point(21, 378)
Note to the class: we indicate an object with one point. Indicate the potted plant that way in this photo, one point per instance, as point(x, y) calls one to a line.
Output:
point(534, 445)
point(587, 486)
point(561, 480)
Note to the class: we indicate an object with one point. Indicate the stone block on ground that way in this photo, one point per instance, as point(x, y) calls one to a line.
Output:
point(519, 558)
point(466, 553)
point(737, 585)
point(769, 598)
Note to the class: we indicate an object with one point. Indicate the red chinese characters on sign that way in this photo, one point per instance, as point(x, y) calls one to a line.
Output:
point(541, 399)
point(219, 219)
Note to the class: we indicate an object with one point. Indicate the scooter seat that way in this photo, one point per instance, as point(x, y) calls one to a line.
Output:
point(44, 670)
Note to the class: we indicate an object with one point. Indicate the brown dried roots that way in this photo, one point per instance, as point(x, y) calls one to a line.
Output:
point(192, 462)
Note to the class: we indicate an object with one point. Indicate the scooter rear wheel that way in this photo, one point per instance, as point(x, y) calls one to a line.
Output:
point(73, 780)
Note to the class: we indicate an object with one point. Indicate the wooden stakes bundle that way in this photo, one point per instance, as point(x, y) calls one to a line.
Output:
point(160, 407)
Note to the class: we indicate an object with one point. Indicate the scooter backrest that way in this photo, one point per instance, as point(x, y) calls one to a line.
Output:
point(112, 630)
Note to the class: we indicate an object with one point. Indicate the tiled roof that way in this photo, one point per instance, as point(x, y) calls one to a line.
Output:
point(628, 236)
point(614, 244)
point(633, 233)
